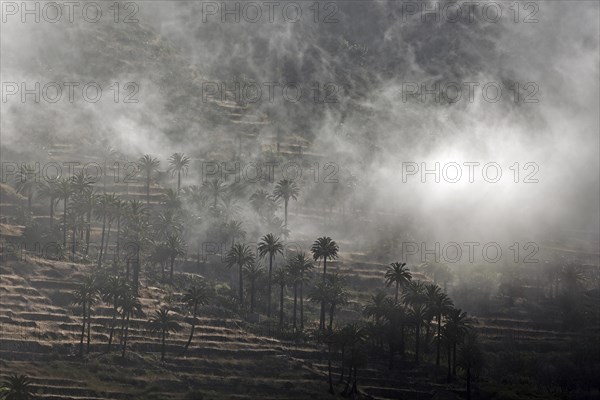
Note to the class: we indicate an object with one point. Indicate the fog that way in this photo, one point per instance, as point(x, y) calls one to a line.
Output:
point(370, 131)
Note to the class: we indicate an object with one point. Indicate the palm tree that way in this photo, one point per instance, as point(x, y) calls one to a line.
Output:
point(397, 274)
point(286, 189)
point(280, 278)
point(271, 245)
point(85, 295)
point(147, 166)
point(336, 294)
point(215, 189)
point(164, 323)
point(17, 387)
point(196, 295)
point(252, 273)
point(327, 249)
point(130, 306)
point(262, 203)
point(104, 212)
point(440, 305)
point(64, 192)
point(305, 266)
point(167, 222)
point(458, 324)
point(175, 246)
point(470, 358)
point(49, 190)
point(112, 292)
point(241, 255)
point(136, 234)
point(25, 182)
point(235, 229)
point(417, 314)
point(179, 163)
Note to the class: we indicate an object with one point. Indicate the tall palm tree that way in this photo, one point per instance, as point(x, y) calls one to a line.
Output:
point(262, 202)
point(440, 305)
point(271, 245)
point(17, 387)
point(326, 249)
point(175, 247)
point(252, 273)
point(179, 163)
point(64, 192)
point(85, 295)
point(130, 306)
point(397, 273)
point(417, 314)
point(135, 233)
point(235, 229)
point(196, 295)
point(305, 266)
point(241, 255)
point(104, 209)
point(285, 190)
point(147, 166)
point(163, 322)
point(336, 293)
point(112, 292)
point(49, 190)
point(26, 182)
point(280, 278)
point(458, 324)
point(166, 223)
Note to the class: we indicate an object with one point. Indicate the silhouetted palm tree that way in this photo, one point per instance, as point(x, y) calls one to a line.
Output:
point(147, 165)
point(112, 292)
point(440, 305)
point(215, 189)
point(196, 295)
point(286, 189)
point(397, 273)
point(130, 306)
point(271, 245)
point(417, 314)
point(85, 295)
point(64, 191)
point(163, 322)
point(458, 324)
point(280, 278)
point(179, 164)
point(175, 246)
point(470, 358)
point(253, 272)
point(326, 249)
point(241, 255)
point(17, 387)
point(336, 294)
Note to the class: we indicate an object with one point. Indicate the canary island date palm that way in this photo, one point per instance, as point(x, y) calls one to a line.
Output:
point(85, 295)
point(470, 358)
point(147, 166)
point(17, 387)
point(280, 278)
point(242, 256)
point(178, 164)
point(130, 306)
point(270, 245)
point(337, 294)
point(285, 190)
point(196, 295)
point(214, 189)
point(440, 305)
point(252, 273)
point(164, 323)
point(458, 324)
point(112, 293)
point(324, 248)
point(175, 247)
point(397, 274)
point(64, 191)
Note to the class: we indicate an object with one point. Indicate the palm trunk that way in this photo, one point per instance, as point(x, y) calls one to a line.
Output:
point(468, 383)
point(439, 335)
point(148, 189)
point(73, 243)
point(449, 351)
point(342, 369)
point(83, 309)
point(112, 327)
point(301, 304)
point(107, 241)
point(172, 265)
point(331, 310)
point(269, 288)
point(417, 339)
point(125, 336)
point(397, 289)
point(193, 327)
point(322, 317)
point(51, 211)
point(252, 296)
point(88, 229)
point(454, 359)
point(178, 180)
point(89, 322)
point(102, 241)
point(162, 347)
point(295, 302)
point(116, 258)
point(281, 307)
point(286, 212)
point(241, 288)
